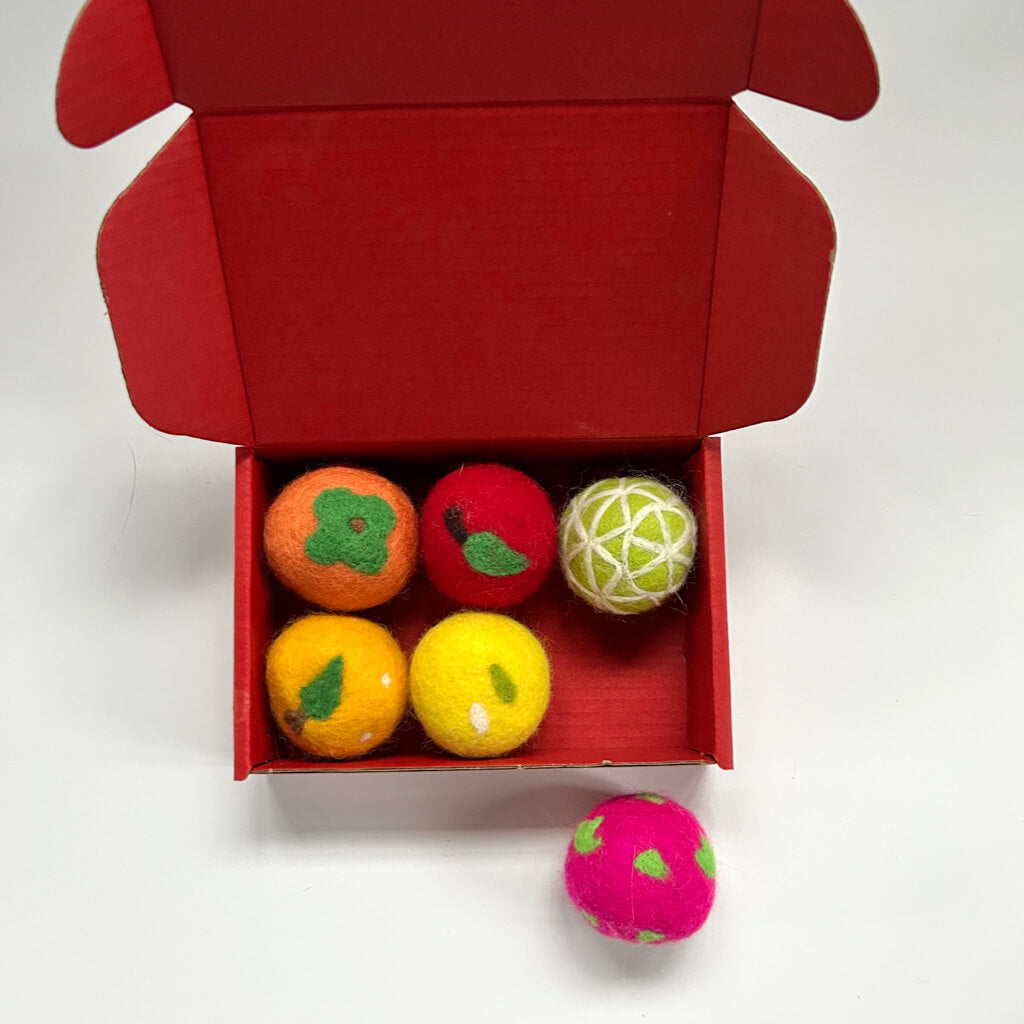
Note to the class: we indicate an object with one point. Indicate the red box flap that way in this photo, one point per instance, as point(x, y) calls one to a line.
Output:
point(477, 260)
point(219, 55)
point(164, 285)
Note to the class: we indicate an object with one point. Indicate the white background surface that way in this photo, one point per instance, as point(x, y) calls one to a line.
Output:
point(871, 840)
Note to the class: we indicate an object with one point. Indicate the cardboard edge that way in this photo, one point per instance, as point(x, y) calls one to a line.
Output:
point(814, 53)
point(773, 268)
point(709, 712)
point(163, 281)
point(295, 766)
point(242, 703)
point(251, 603)
point(112, 73)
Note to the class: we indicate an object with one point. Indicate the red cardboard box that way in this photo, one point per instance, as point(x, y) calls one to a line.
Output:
point(411, 234)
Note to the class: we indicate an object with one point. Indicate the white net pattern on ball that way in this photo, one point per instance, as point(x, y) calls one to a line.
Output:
point(621, 592)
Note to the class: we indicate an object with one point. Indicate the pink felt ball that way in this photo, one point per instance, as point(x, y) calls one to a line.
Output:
point(640, 868)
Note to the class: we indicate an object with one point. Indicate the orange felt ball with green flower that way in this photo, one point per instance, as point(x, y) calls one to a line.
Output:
point(341, 537)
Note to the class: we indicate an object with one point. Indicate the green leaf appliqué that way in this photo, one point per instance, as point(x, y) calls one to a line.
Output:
point(352, 529)
point(489, 554)
point(504, 687)
point(651, 798)
point(586, 839)
point(321, 697)
point(485, 552)
point(650, 862)
point(646, 936)
point(705, 857)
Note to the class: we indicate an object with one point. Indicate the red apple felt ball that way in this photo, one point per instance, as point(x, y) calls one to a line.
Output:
point(488, 535)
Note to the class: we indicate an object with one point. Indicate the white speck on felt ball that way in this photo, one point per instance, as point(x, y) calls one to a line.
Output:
point(386, 680)
point(366, 737)
point(479, 719)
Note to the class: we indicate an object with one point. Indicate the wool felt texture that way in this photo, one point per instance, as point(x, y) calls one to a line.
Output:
point(342, 538)
point(479, 683)
point(338, 684)
point(626, 544)
point(641, 869)
point(489, 535)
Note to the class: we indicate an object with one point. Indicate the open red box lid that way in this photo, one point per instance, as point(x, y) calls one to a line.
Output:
point(394, 222)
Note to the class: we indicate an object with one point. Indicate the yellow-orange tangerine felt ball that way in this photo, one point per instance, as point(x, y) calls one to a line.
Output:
point(341, 537)
point(337, 684)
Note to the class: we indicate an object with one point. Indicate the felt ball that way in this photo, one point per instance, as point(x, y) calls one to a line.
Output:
point(479, 684)
point(341, 537)
point(488, 535)
point(640, 868)
point(337, 684)
point(626, 544)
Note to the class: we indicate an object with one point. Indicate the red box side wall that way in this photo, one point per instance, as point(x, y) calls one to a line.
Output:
point(254, 731)
point(708, 708)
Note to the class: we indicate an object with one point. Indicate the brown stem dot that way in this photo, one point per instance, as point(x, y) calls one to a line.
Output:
point(295, 720)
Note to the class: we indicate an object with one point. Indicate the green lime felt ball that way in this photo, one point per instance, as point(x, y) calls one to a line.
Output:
point(626, 544)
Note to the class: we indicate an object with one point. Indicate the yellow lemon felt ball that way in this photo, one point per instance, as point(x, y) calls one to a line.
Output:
point(626, 544)
point(337, 684)
point(479, 684)
point(343, 538)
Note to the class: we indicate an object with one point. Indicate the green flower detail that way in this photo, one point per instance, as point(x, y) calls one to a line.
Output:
point(705, 857)
point(591, 919)
point(484, 551)
point(650, 862)
point(586, 839)
point(651, 798)
point(504, 687)
point(352, 529)
point(318, 699)
point(645, 936)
